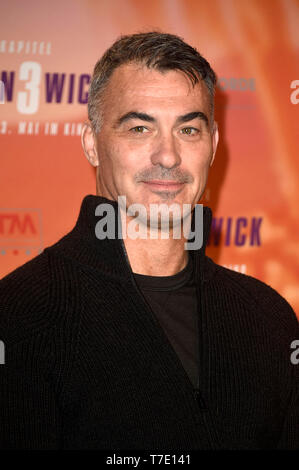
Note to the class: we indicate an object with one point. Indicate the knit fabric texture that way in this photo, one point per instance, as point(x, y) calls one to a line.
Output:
point(87, 365)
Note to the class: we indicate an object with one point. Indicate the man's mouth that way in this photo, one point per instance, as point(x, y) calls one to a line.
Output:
point(163, 185)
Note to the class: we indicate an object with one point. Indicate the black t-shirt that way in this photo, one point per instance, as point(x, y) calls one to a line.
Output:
point(174, 302)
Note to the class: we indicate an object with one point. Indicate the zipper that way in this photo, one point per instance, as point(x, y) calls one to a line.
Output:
point(197, 394)
point(211, 429)
point(156, 321)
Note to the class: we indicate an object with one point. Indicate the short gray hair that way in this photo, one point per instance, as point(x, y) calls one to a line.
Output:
point(160, 51)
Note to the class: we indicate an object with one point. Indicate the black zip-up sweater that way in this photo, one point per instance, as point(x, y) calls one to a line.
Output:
point(87, 365)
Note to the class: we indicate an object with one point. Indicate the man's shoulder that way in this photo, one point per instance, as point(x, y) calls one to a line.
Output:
point(31, 295)
point(31, 272)
point(23, 293)
point(260, 297)
point(38, 270)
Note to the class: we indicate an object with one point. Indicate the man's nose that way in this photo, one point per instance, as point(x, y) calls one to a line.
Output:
point(166, 152)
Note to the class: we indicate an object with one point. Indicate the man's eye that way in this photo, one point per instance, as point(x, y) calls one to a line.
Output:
point(138, 129)
point(189, 131)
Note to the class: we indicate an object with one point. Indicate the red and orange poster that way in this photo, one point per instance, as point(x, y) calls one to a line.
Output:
point(48, 50)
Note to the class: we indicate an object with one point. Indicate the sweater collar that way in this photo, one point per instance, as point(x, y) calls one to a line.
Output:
point(109, 255)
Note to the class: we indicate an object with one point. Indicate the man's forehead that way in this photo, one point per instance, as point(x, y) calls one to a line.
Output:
point(133, 80)
point(170, 95)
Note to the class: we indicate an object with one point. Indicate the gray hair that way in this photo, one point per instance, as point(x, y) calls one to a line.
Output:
point(160, 51)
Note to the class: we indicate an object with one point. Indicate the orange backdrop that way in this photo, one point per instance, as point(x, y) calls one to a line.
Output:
point(48, 50)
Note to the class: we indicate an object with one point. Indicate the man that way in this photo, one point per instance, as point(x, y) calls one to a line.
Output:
point(142, 341)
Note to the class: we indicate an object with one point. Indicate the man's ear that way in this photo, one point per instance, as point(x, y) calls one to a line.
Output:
point(215, 139)
point(89, 144)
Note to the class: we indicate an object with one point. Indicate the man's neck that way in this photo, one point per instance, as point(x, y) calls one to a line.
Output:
point(156, 257)
point(153, 257)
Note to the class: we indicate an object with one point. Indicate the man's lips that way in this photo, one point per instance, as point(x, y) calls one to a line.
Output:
point(163, 185)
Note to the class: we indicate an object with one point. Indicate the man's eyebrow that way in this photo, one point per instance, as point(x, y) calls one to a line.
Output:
point(148, 118)
point(191, 116)
point(135, 115)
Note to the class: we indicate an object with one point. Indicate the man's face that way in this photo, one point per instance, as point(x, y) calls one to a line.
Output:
point(157, 141)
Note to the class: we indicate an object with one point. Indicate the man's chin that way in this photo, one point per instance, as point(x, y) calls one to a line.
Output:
point(163, 218)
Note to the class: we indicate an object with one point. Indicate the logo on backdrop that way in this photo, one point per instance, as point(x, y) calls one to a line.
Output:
point(30, 86)
point(236, 231)
point(20, 231)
